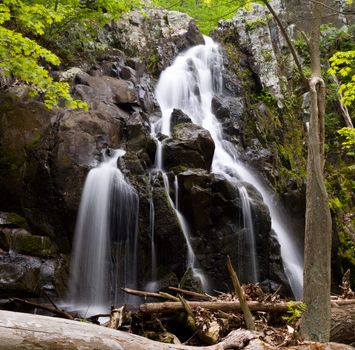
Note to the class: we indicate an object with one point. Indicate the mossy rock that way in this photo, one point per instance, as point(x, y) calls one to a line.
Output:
point(13, 220)
point(23, 242)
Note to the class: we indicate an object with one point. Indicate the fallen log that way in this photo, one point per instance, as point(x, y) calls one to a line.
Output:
point(228, 306)
point(20, 331)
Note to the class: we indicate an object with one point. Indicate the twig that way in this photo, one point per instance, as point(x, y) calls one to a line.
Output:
point(57, 312)
point(168, 296)
point(141, 293)
point(191, 293)
point(49, 299)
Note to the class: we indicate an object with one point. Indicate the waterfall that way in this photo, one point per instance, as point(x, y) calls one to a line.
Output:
point(189, 84)
point(246, 241)
point(192, 262)
point(104, 257)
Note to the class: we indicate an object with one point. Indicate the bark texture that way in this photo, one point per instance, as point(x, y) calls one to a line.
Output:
point(315, 323)
point(20, 331)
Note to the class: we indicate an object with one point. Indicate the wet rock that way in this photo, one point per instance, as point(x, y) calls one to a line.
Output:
point(137, 132)
point(178, 117)
point(4, 242)
point(80, 137)
point(22, 242)
point(166, 281)
point(190, 146)
point(12, 220)
point(19, 275)
point(169, 237)
point(131, 164)
point(47, 273)
point(146, 94)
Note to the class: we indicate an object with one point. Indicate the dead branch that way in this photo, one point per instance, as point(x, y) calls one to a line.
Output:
point(249, 321)
point(190, 293)
point(54, 311)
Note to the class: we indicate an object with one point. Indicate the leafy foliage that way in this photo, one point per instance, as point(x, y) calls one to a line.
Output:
point(349, 143)
point(343, 64)
point(294, 312)
point(207, 13)
point(27, 27)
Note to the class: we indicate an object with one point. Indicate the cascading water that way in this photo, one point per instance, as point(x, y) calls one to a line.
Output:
point(104, 255)
point(246, 242)
point(189, 85)
point(192, 262)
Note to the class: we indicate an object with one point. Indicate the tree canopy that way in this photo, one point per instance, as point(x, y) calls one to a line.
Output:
point(28, 28)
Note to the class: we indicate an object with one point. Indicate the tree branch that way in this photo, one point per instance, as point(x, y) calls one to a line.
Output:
point(287, 38)
point(346, 13)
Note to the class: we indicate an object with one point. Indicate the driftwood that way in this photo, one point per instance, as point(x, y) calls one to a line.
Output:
point(20, 331)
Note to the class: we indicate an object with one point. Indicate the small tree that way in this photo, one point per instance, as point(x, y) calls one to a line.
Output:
point(315, 322)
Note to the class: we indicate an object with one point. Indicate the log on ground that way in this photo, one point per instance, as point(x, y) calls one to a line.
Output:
point(20, 331)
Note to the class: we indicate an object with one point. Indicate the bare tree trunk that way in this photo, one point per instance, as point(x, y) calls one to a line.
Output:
point(315, 324)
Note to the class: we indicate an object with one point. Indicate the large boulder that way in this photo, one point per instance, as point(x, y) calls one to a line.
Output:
point(213, 208)
point(190, 146)
point(80, 137)
point(105, 89)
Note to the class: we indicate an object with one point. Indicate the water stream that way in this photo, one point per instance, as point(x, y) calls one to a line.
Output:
point(189, 84)
point(104, 257)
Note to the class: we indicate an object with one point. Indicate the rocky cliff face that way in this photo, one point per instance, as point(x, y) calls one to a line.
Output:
point(45, 156)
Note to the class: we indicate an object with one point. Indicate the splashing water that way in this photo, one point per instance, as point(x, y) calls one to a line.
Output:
point(104, 255)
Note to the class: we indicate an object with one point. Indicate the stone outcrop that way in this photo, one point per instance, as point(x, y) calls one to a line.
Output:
point(156, 37)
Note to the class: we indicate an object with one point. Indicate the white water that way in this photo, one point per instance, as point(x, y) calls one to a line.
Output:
point(192, 262)
point(104, 257)
point(246, 242)
point(189, 84)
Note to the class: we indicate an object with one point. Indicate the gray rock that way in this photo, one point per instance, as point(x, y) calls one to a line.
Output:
point(19, 275)
point(108, 89)
point(156, 37)
point(80, 137)
point(69, 74)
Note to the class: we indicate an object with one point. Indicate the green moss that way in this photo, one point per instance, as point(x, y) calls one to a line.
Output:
point(178, 169)
point(17, 220)
point(31, 245)
point(256, 23)
point(152, 61)
point(267, 55)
